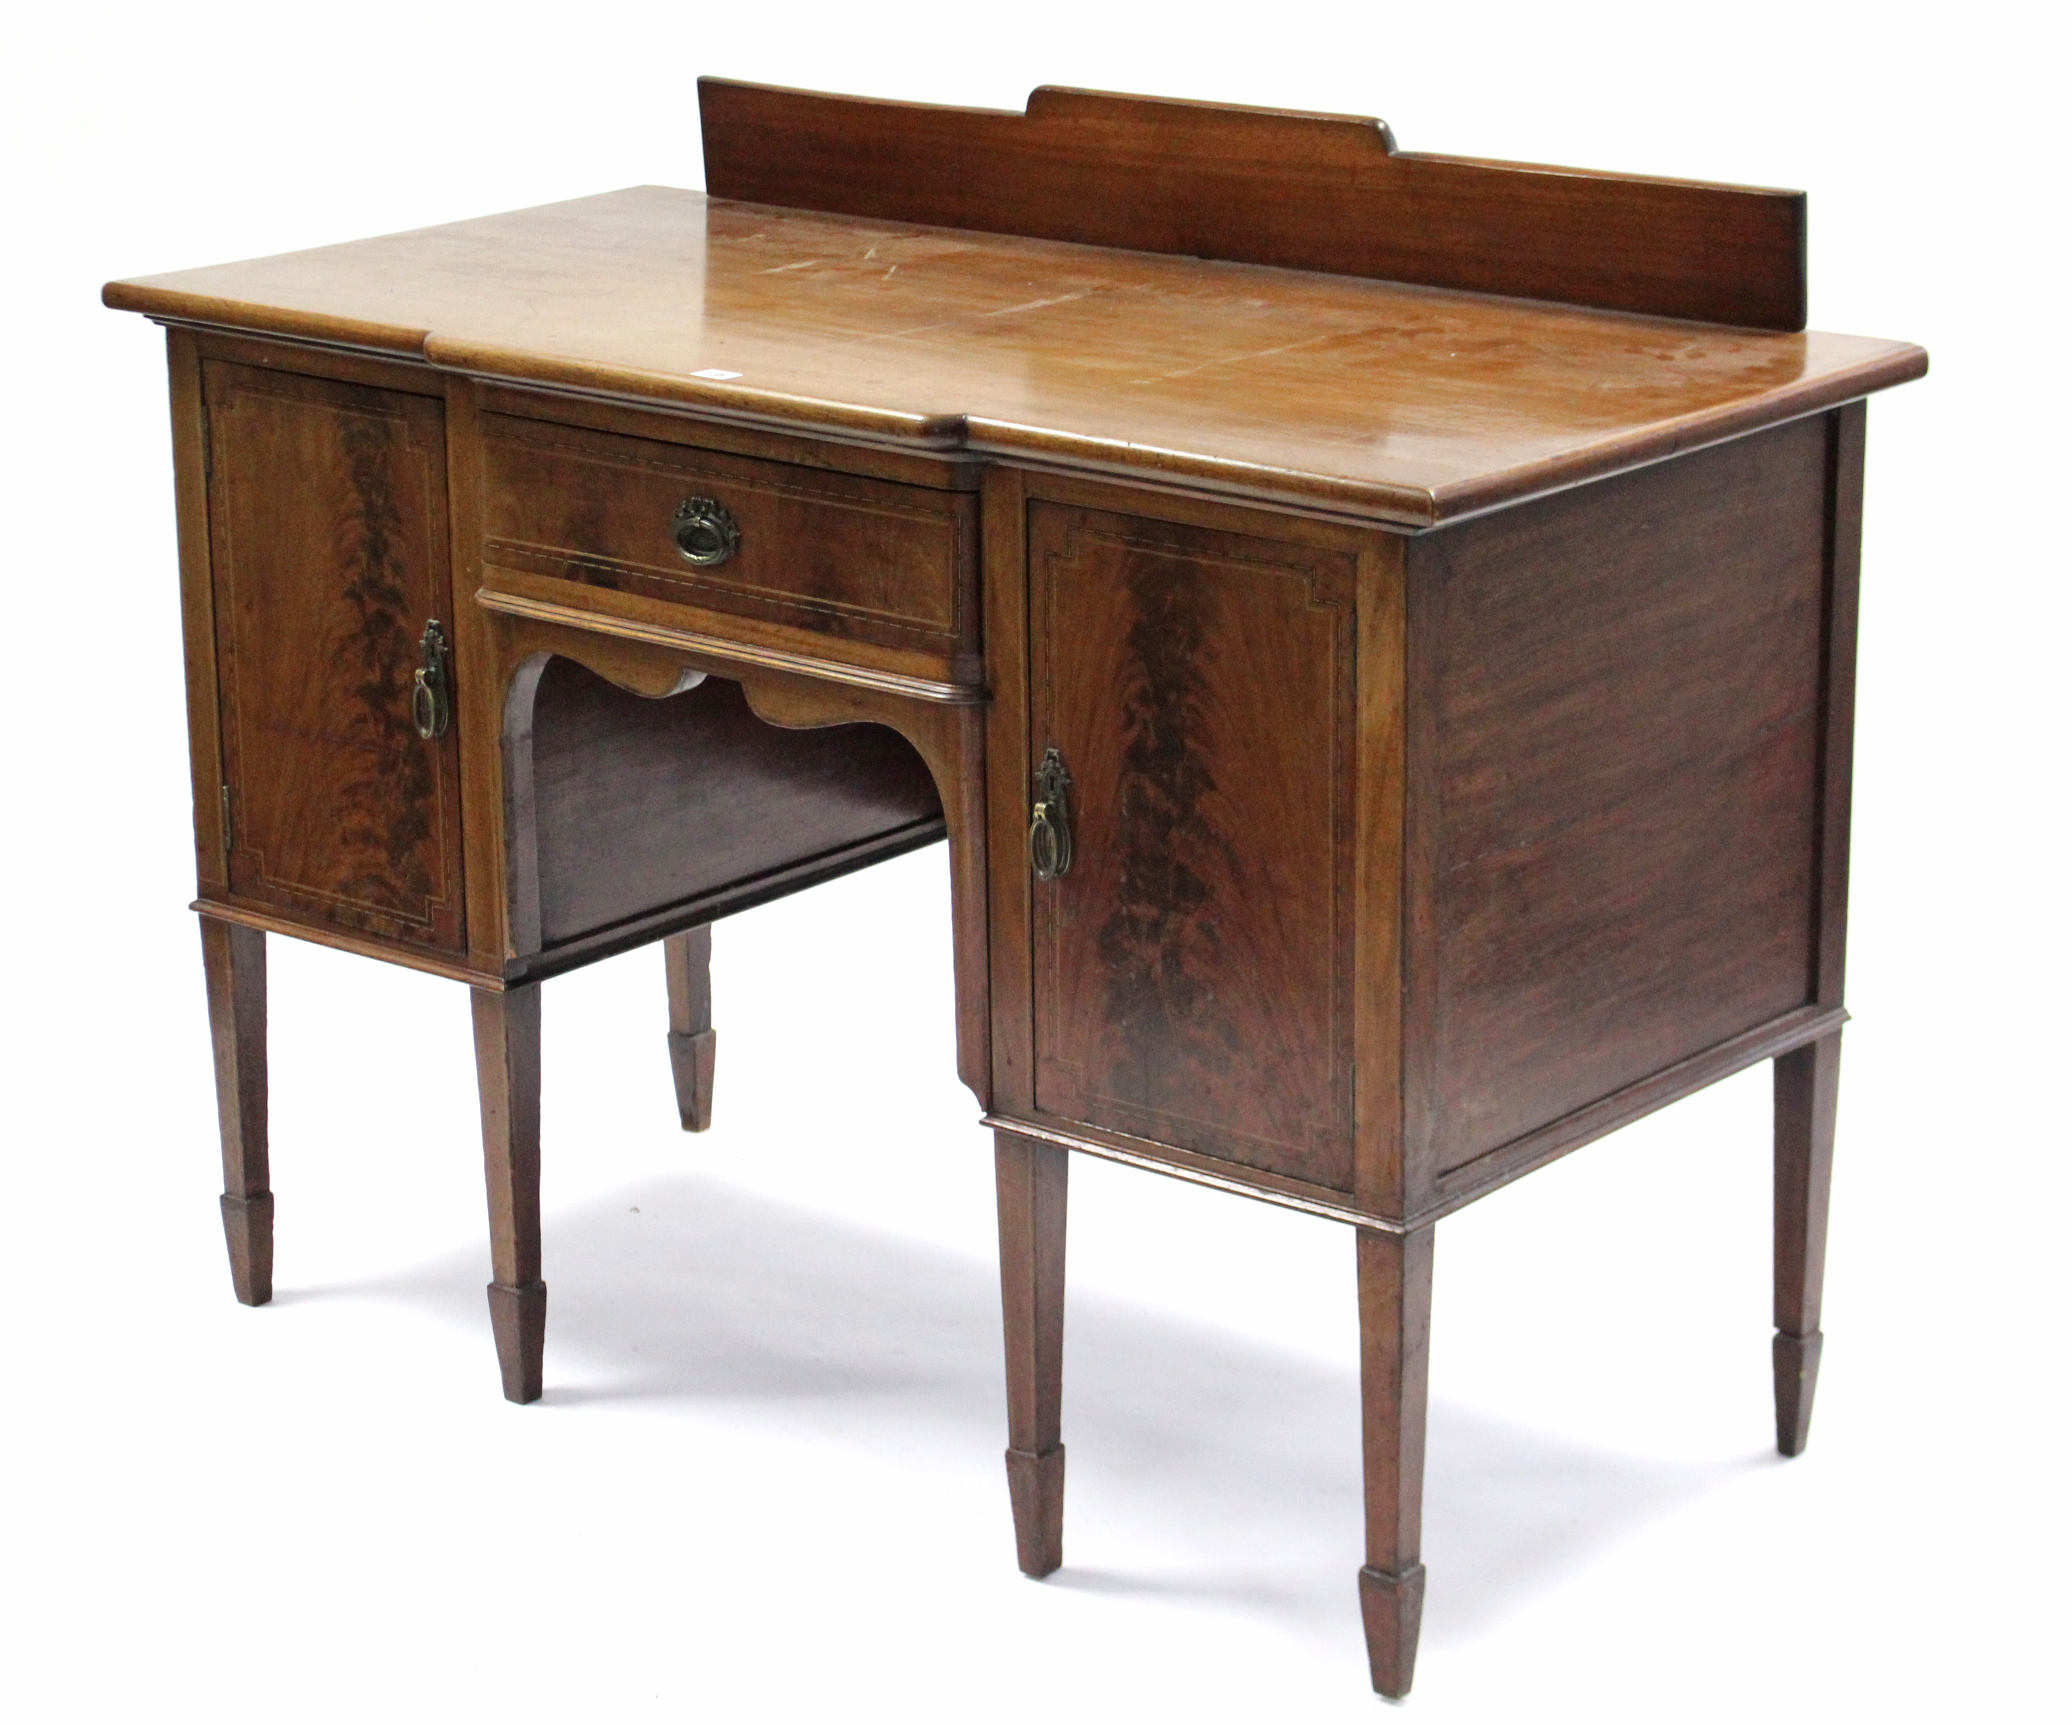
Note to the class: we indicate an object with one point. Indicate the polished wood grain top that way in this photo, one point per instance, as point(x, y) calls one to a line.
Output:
point(1407, 404)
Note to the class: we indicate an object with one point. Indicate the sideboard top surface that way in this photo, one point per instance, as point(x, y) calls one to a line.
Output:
point(1408, 404)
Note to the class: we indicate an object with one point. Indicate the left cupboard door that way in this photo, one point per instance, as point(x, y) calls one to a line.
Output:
point(328, 553)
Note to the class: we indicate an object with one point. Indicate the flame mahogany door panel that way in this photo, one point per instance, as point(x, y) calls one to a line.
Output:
point(1193, 965)
point(339, 811)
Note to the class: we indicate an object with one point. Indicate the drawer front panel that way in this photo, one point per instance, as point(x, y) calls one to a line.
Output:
point(863, 561)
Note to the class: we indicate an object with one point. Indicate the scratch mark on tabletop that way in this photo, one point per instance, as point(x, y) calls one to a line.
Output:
point(1243, 358)
point(1037, 304)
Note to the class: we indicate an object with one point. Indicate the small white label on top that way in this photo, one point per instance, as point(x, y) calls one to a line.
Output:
point(716, 372)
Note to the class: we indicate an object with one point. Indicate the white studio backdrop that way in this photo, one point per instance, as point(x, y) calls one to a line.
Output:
point(765, 1483)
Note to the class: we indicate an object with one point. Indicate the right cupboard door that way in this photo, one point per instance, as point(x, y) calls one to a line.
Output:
point(1193, 964)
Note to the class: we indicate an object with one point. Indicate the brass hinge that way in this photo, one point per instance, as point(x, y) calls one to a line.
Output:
point(226, 818)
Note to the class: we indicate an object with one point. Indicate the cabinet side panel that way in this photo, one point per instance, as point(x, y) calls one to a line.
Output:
point(1192, 970)
point(1007, 789)
point(1844, 577)
point(1621, 781)
point(327, 524)
point(1384, 1180)
point(197, 608)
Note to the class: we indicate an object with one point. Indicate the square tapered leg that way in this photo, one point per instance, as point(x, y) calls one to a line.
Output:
point(1394, 1378)
point(1807, 1096)
point(507, 1070)
point(234, 966)
point(1032, 1205)
point(693, 1043)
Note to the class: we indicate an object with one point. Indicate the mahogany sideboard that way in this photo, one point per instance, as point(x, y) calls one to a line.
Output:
point(1375, 630)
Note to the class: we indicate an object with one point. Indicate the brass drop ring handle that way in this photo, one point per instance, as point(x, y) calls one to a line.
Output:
point(431, 703)
point(705, 531)
point(1049, 827)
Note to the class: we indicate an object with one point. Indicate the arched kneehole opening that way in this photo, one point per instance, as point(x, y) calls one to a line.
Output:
point(629, 815)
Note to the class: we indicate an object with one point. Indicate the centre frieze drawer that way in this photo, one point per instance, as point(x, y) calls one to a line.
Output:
point(790, 555)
